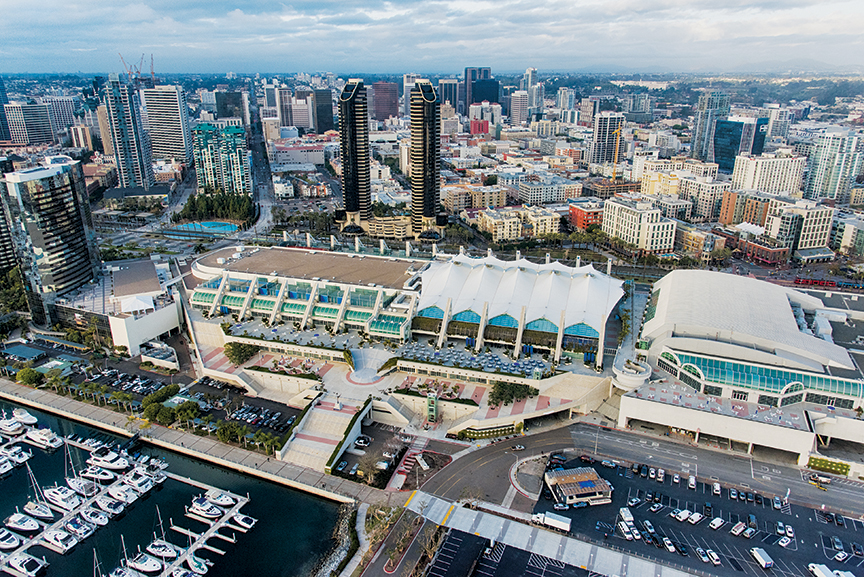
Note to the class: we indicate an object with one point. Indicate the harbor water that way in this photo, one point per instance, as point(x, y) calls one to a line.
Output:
point(293, 533)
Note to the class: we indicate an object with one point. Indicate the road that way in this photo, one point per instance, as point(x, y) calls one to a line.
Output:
point(488, 467)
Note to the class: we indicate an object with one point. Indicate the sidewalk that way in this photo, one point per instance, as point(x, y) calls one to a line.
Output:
point(205, 448)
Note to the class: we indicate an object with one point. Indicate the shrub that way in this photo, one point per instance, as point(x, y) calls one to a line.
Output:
point(239, 353)
point(160, 396)
point(29, 377)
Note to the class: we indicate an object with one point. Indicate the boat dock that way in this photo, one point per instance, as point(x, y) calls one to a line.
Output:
point(198, 540)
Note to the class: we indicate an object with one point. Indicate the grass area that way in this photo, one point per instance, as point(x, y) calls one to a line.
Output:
point(828, 466)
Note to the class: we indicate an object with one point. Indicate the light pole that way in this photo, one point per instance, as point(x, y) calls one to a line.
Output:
point(596, 439)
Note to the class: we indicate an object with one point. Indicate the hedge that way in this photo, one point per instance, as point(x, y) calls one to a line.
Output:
point(260, 369)
point(350, 426)
point(828, 466)
point(389, 364)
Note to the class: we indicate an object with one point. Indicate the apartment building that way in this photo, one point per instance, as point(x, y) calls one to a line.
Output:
point(635, 220)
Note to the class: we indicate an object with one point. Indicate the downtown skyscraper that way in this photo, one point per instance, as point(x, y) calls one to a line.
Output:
point(354, 148)
point(132, 153)
point(607, 138)
point(167, 122)
point(712, 106)
point(425, 158)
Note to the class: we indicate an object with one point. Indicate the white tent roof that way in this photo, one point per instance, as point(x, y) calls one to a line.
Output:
point(136, 303)
point(584, 294)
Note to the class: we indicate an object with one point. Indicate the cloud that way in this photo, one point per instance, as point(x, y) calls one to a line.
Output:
point(427, 36)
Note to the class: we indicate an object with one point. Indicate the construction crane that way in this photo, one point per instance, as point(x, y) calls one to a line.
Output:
point(125, 67)
point(152, 72)
point(617, 133)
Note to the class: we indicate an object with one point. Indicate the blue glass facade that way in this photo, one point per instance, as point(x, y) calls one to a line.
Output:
point(732, 138)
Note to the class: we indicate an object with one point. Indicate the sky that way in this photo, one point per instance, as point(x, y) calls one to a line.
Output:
point(213, 36)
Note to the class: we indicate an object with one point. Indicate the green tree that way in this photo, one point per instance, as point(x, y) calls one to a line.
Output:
point(166, 416)
point(188, 411)
point(151, 411)
point(29, 377)
point(239, 353)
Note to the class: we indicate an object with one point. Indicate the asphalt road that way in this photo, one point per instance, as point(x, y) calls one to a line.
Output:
point(488, 467)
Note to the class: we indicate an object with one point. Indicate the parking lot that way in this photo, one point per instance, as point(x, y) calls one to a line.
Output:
point(382, 439)
point(813, 530)
point(227, 399)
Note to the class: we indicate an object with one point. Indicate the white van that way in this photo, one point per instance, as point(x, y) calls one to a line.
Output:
point(691, 482)
point(738, 528)
point(625, 530)
point(762, 557)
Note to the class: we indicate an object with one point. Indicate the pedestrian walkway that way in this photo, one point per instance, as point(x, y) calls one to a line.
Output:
point(511, 531)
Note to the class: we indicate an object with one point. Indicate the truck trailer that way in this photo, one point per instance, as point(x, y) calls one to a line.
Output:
point(552, 520)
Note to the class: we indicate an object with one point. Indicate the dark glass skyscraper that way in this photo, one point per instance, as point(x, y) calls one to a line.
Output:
point(354, 146)
point(322, 99)
point(487, 89)
point(51, 230)
point(4, 125)
point(472, 74)
point(386, 100)
point(7, 248)
point(425, 157)
point(737, 135)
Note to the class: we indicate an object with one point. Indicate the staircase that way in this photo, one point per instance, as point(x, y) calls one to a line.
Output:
point(321, 432)
point(611, 407)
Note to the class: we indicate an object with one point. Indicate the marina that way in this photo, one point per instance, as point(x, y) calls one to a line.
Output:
point(199, 543)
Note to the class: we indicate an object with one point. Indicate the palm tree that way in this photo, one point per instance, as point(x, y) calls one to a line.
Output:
point(242, 431)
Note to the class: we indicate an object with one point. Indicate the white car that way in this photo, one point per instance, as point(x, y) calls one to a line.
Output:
point(715, 558)
point(784, 542)
point(676, 478)
point(695, 518)
point(841, 556)
point(668, 544)
point(790, 532)
point(633, 501)
point(716, 523)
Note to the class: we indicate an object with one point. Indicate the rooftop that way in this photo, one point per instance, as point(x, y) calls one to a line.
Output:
point(311, 264)
point(579, 481)
point(135, 278)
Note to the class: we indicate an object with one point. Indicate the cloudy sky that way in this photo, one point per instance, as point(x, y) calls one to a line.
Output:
point(428, 35)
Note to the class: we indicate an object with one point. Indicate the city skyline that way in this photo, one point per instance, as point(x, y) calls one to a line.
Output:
point(308, 37)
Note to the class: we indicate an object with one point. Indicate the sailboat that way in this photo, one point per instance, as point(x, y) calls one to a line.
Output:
point(159, 547)
point(122, 571)
point(83, 487)
point(37, 506)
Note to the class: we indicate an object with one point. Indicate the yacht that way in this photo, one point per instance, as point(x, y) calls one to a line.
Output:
point(138, 481)
point(94, 517)
point(44, 438)
point(97, 474)
point(24, 417)
point(21, 523)
point(123, 493)
point(162, 549)
point(63, 497)
point(144, 563)
point(197, 564)
point(16, 455)
point(109, 505)
point(26, 565)
point(107, 459)
point(204, 508)
point(153, 472)
point(181, 572)
point(245, 521)
point(59, 540)
point(38, 510)
point(219, 498)
point(5, 466)
point(123, 572)
point(10, 427)
point(78, 527)
point(83, 487)
point(8, 540)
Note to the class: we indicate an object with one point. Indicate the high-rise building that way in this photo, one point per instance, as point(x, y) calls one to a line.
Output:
point(52, 231)
point(607, 138)
point(712, 106)
point(448, 91)
point(322, 100)
point(386, 100)
point(588, 109)
point(528, 80)
point(779, 120)
point(408, 81)
point(283, 106)
point(518, 107)
point(834, 163)
point(81, 136)
point(8, 259)
point(799, 224)
point(168, 123)
point(221, 158)
point(62, 111)
point(425, 157)
point(638, 108)
point(472, 75)
point(735, 136)
point(131, 143)
point(486, 90)
point(566, 99)
point(536, 96)
point(105, 130)
point(29, 123)
point(354, 146)
point(270, 95)
point(769, 173)
point(4, 100)
point(230, 105)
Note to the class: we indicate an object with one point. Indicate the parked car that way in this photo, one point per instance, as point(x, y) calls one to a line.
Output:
point(776, 502)
point(517, 448)
point(341, 466)
point(633, 501)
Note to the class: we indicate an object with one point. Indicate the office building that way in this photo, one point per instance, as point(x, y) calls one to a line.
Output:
point(408, 81)
point(607, 138)
point(712, 106)
point(472, 75)
point(81, 137)
point(131, 143)
point(588, 109)
point(486, 90)
point(386, 100)
point(737, 135)
point(283, 106)
point(62, 111)
point(105, 130)
point(518, 107)
point(29, 123)
point(221, 158)
point(354, 147)
point(635, 220)
point(779, 120)
point(270, 95)
point(168, 123)
point(230, 105)
point(52, 232)
point(529, 79)
point(425, 157)
point(322, 101)
point(585, 211)
point(536, 97)
point(799, 224)
point(4, 124)
point(566, 99)
point(769, 173)
point(448, 91)
point(740, 206)
point(834, 163)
